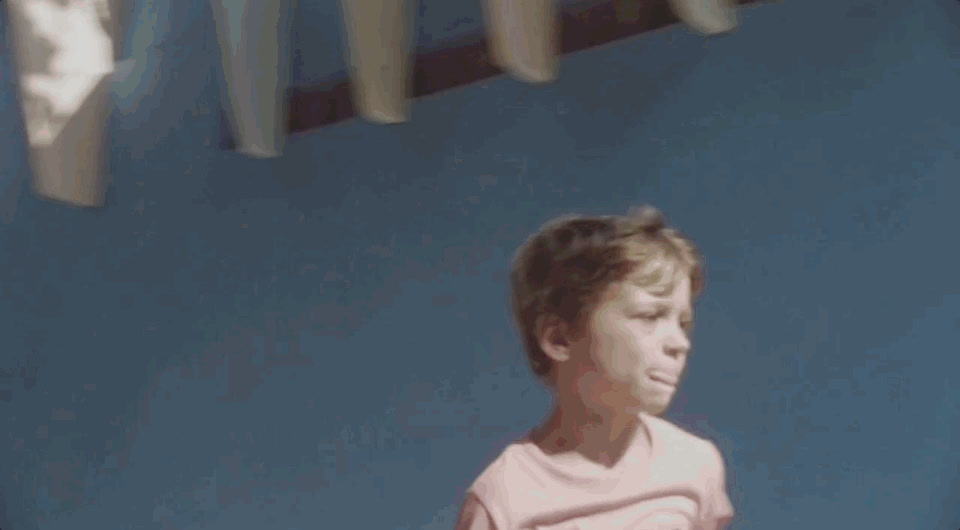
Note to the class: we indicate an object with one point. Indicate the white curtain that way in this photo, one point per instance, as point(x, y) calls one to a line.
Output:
point(253, 37)
point(379, 49)
point(63, 54)
point(709, 17)
point(523, 37)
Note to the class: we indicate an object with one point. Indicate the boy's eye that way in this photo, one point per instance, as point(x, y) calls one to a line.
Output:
point(649, 316)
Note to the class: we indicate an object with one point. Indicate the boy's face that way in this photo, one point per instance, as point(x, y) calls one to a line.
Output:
point(635, 348)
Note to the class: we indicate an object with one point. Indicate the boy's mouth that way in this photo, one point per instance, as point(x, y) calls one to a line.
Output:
point(662, 378)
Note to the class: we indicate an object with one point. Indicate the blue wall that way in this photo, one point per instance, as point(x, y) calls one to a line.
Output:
point(322, 340)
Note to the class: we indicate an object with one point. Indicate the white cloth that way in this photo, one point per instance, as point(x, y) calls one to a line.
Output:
point(64, 55)
point(63, 52)
point(379, 48)
point(524, 38)
point(253, 36)
point(709, 17)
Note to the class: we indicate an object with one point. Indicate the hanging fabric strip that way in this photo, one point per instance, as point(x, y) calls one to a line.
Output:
point(63, 52)
point(379, 49)
point(253, 36)
point(524, 38)
point(709, 17)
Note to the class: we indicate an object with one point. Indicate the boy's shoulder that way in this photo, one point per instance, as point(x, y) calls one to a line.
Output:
point(509, 467)
point(683, 444)
point(510, 473)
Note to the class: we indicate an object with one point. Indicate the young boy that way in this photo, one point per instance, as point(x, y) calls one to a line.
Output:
point(604, 306)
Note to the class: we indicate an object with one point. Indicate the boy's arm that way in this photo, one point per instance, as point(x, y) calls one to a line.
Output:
point(474, 516)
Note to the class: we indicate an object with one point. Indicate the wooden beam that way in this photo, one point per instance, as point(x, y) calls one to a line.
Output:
point(466, 61)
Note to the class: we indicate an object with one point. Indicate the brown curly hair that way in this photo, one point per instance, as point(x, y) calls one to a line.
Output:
point(565, 268)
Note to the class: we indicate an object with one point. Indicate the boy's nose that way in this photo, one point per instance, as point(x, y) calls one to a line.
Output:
point(677, 343)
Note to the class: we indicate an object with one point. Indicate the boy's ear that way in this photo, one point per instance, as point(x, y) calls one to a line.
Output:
point(553, 335)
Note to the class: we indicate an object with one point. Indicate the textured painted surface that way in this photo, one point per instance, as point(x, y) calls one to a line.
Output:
point(322, 339)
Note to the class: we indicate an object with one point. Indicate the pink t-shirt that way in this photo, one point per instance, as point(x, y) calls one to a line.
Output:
point(679, 485)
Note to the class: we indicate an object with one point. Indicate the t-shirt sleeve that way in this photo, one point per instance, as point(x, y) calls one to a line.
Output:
point(718, 511)
point(474, 515)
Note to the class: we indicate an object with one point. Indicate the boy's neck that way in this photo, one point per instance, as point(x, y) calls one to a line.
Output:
point(601, 437)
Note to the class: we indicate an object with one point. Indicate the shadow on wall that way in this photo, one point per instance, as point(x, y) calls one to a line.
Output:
point(950, 12)
point(14, 174)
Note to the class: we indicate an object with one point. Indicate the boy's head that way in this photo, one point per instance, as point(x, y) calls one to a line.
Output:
point(606, 303)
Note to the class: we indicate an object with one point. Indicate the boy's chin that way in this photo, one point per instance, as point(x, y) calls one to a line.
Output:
point(653, 408)
point(656, 410)
point(637, 407)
